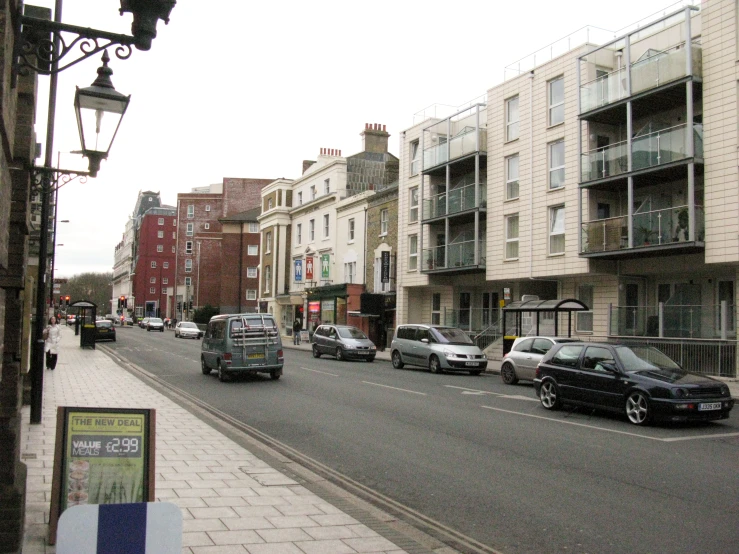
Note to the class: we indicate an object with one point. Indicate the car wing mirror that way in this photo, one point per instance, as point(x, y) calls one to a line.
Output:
point(425, 341)
point(609, 367)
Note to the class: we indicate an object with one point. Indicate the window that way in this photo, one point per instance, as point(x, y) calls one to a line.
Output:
point(190, 229)
point(415, 158)
point(174, 222)
point(584, 320)
point(153, 265)
point(267, 278)
point(413, 202)
point(251, 294)
point(173, 249)
point(557, 230)
point(164, 291)
point(351, 230)
point(436, 308)
point(253, 250)
point(165, 265)
point(299, 233)
point(152, 279)
point(313, 192)
point(327, 186)
point(556, 101)
point(325, 225)
point(312, 230)
point(190, 211)
point(413, 252)
point(511, 118)
point(557, 164)
point(188, 247)
point(152, 290)
point(300, 198)
point(253, 227)
point(188, 281)
point(160, 234)
point(165, 281)
point(350, 271)
point(511, 237)
point(268, 242)
point(269, 204)
point(511, 178)
point(188, 265)
point(160, 248)
point(251, 272)
point(174, 235)
point(207, 207)
point(161, 221)
point(384, 222)
point(206, 226)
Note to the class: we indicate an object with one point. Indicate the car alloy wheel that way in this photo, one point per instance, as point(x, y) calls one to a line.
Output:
point(549, 395)
point(508, 374)
point(435, 365)
point(397, 362)
point(316, 353)
point(204, 367)
point(637, 408)
point(339, 354)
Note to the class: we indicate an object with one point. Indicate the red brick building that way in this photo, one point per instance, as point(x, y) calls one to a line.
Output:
point(207, 261)
point(240, 276)
point(154, 265)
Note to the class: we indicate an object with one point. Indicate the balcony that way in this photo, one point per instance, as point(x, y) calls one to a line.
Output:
point(651, 150)
point(463, 144)
point(458, 200)
point(663, 228)
point(459, 256)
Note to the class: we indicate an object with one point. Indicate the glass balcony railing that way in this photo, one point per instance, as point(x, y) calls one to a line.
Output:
point(459, 256)
point(653, 228)
point(605, 162)
point(457, 147)
point(457, 200)
point(603, 90)
point(665, 146)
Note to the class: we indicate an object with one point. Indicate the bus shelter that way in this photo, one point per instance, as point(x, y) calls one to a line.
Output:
point(86, 316)
point(529, 316)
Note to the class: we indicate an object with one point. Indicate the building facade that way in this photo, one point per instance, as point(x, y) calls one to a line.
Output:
point(240, 275)
point(156, 236)
point(122, 270)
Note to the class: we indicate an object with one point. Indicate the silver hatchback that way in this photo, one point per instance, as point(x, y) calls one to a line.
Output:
point(343, 341)
point(525, 355)
point(438, 348)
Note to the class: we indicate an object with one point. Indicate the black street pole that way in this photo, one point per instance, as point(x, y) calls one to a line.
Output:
point(37, 360)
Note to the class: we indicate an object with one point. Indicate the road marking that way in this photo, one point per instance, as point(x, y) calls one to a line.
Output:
point(476, 392)
point(318, 371)
point(469, 391)
point(637, 435)
point(394, 388)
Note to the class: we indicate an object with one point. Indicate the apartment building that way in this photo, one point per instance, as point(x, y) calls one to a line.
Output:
point(606, 174)
point(156, 235)
point(122, 270)
point(240, 240)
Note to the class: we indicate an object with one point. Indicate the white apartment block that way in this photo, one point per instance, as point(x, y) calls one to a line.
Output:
point(122, 269)
point(608, 174)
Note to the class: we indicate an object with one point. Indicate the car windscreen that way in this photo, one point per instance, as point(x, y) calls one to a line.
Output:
point(351, 333)
point(103, 324)
point(188, 324)
point(639, 358)
point(451, 335)
point(155, 320)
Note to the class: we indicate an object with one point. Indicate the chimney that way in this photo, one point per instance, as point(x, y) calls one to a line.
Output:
point(374, 138)
point(307, 164)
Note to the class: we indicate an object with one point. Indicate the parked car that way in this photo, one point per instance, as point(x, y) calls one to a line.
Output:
point(71, 319)
point(155, 324)
point(640, 381)
point(343, 341)
point(242, 343)
point(437, 347)
point(143, 322)
point(187, 329)
point(524, 356)
point(104, 330)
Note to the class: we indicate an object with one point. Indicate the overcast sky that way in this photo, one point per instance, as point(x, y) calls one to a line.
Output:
point(233, 88)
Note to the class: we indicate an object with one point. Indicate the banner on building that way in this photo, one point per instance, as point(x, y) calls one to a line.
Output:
point(385, 278)
point(298, 271)
point(309, 268)
point(325, 259)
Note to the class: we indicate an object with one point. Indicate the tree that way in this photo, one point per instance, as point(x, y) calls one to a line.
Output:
point(94, 287)
point(203, 315)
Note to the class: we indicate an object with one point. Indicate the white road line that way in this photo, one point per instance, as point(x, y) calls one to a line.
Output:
point(465, 390)
point(470, 390)
point(695, 437)
point(318, 371)
point(394, 388)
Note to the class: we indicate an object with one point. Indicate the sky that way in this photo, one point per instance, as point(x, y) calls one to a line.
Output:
point(234, 88)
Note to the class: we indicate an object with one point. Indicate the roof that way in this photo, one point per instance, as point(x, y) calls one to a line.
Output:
point(554, 305)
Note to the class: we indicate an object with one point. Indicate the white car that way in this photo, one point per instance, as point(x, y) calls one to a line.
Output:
point(155, 324)
point(187, 329)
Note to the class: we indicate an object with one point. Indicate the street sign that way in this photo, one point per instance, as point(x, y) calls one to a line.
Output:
point(60, 280)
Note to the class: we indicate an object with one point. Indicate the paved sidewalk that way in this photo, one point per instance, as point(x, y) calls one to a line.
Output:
point(231, 500)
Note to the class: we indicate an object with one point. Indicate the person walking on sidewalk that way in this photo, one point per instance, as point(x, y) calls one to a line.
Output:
point(52, 336)
point(296, 331)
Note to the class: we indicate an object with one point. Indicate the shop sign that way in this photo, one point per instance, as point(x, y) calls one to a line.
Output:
point(325, 259)
point(309, 268)
point(298, 271)
point(506, 294)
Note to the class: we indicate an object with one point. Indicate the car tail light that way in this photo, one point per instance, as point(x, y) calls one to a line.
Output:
point(280, 355)
point(538, 371)
point(227, 355)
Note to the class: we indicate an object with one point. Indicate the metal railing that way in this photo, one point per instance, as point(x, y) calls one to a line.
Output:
point(665, 146)
point(456, 147)
point(476, 321)
point(694, 321)
point(456, 200)
point(458, 255)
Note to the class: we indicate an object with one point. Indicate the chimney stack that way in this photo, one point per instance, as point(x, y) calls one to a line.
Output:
point(374, 138)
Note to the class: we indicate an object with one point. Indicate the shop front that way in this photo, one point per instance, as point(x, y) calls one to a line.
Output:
point(334, 304)
point(379, 311)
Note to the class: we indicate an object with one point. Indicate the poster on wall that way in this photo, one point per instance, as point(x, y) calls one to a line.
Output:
point(298, 271)
point(325, 259)
point(309, 269)
point(102, 456)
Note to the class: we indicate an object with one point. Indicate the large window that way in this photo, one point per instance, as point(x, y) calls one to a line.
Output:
point(325, 226)
point(188, 281)
point(160, 248)
point(299, 234)
point(326, 186)
point(153, 265)
point(351, 230)
point(384, 222)
point(350, 272)
point(160, 234)
point(268, 242)
point(253, 227)
point(252, 250)
point(413, 202)
point(312, 230)
point(160, 221)
point(436, 309)
point(413, 252)
point(270, 204)
point(190, 211)
point(267, 278)
point(313, 192)
point(557, 164)
point(584, 320)
point(251, 294)
point(188, 265)
point(511, 237)
point(511, 118)
point(557, 230)
point(556, 101)
point(188, 247)
point(165, 265)
point(415, 158)
point(300, 198)
point(511, 178)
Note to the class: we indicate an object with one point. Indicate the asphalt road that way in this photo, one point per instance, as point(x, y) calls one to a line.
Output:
point(483, 458)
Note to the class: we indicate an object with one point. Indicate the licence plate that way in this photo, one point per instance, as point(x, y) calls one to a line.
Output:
point(706, 406)
point(471, 364)
point(362, 352)
point(255, 356)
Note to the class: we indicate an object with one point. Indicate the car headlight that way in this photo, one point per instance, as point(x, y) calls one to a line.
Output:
point(449, 353)
point(724, 390)
point(680, 393)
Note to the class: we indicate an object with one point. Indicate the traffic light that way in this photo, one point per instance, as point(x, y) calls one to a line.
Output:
point(179, 306)
point(66, 300)
point(190, 305)
point(121, 302)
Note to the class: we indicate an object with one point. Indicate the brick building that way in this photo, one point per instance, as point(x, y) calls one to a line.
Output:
point(240, 276)
point(156, 235)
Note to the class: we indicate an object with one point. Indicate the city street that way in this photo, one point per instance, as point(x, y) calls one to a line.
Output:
point(480, 458)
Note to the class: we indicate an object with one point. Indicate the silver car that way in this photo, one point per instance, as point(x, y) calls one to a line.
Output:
point(525, 355)
point(344, 342)
point(155, 324)
point(437, 347)
point(187, 330)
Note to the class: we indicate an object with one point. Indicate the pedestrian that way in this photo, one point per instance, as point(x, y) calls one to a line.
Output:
point(52, 335)
point(296, 331)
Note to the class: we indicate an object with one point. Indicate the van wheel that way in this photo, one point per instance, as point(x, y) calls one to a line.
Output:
point(274, 375)
point(435, 365)
point(397, 362)
point(339, 354)
point(316, 353)
point(222, 375)
point(204, 366)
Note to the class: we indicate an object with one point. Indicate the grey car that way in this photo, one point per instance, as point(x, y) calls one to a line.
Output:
point(187, 329)
point(525, 355)
point(155, 324)
point(438, 348)
point(344, 342)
